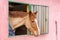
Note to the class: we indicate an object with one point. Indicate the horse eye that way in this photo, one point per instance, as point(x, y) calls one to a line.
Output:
point(32, 21)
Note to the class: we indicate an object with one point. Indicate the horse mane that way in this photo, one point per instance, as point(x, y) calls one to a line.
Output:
point(17, 14)
point(20, 14)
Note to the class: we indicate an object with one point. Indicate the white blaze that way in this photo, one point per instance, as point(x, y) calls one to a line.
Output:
point(37, 26)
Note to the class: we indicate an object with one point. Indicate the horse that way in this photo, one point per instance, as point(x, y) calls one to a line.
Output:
point(18, 18)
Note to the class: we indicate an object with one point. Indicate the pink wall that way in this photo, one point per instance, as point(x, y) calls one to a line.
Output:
point(54, 14)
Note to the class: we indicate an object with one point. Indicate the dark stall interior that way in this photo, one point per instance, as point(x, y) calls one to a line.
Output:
point(19, 7)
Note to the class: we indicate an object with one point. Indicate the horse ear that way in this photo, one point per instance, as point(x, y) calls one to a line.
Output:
point(30, 12)
point(35, 13)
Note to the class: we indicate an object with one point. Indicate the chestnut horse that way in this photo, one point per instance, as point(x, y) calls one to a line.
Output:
point(18, 18)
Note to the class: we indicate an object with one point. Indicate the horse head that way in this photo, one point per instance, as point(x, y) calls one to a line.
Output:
point(34, 24)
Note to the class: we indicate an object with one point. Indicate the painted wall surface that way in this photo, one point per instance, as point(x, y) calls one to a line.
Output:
point(54, 14)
